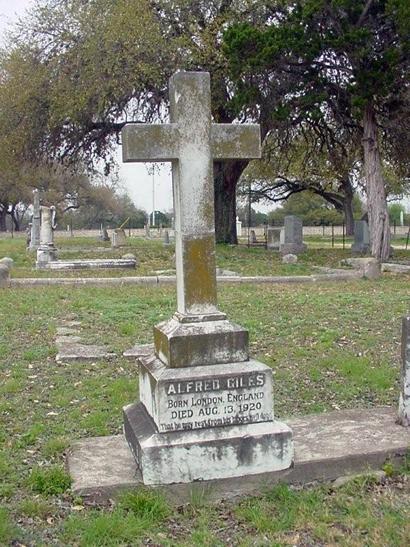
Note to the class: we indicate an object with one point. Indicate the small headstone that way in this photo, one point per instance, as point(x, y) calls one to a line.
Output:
point(47, 251)
point(104, 235)
point(289, 259)
point(9, 262)
point(292, 236)
point(166, 238)
point(35, 222)
point(119, 239)
point(238, 227)
point(361, 243)
point(252, 237)
point(4, 276)
point(404, 401)
point(273, 238)
point(128, 256)
point(147, 231)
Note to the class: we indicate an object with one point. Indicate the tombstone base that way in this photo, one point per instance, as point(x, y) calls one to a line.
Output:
point(217, 453)
point(201, 397)
point(361, 249)
point(292, 248)
point(45, 254)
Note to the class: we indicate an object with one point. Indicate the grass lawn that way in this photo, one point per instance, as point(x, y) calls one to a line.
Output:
point(331, 346)
point(153, 257)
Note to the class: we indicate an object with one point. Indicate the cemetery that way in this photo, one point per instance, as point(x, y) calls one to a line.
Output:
point(336, 388)
point(202, 379)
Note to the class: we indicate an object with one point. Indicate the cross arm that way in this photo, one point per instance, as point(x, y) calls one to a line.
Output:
point(156, 142)
point(235, 141)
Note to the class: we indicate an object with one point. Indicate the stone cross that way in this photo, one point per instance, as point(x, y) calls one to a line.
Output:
point(191, 142)
point(35, 225)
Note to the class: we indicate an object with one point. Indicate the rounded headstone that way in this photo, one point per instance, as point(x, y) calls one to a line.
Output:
point(9, 262)
point(4, 275)
point(289, 259)
point(129, 256)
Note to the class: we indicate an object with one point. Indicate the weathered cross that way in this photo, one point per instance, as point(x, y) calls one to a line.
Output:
point(191, 141)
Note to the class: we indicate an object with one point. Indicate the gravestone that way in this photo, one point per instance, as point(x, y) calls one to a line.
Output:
point(9, 262)
point(361, 237)
point(4, 276)
point(119, 239)
point(252, 237)
point(292, 237)
point(147, 231)
point(47, 251)
point(238, 227)
point(205, 409)
point(404, 402)
point(166, 238)
point(273, 238)
point(35, 222)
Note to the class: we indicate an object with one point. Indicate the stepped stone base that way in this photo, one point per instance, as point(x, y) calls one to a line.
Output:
point(206, 454)
point(185, 344)
point(327, 446)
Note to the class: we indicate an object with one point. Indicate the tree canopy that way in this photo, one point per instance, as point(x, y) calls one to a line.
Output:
point(336, 69)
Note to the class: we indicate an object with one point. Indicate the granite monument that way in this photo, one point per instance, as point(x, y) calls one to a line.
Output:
point(205, 409)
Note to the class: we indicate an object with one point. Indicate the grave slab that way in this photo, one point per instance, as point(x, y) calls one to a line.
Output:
point(98, 263)
point(327, 446)
point(74, 351)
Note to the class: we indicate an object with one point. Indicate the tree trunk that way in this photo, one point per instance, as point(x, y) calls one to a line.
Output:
point(14, 218)
point(226, 176)
point(348, 208)
point(376, 195)
point(3, 224)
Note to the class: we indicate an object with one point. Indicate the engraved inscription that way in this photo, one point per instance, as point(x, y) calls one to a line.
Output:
point(210, 402)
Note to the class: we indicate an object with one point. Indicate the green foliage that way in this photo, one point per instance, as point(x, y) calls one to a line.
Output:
point(104, 529)
point(49, 481)
point(145, 504)
point(311, 208)
point(395, 211)
point(7, 530)
point(257, 218)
